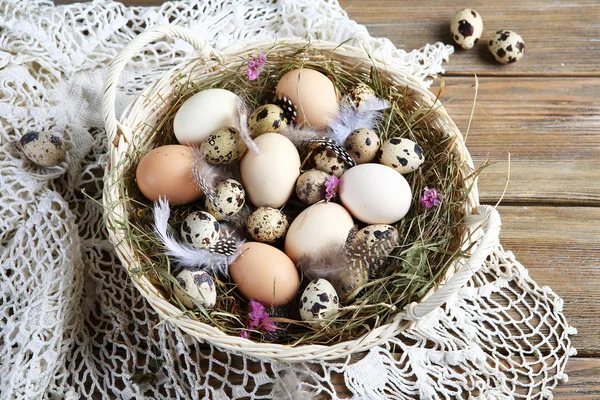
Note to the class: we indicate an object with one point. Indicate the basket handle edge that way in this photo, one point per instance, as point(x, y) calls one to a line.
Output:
point(117, 65)
point(469, 266)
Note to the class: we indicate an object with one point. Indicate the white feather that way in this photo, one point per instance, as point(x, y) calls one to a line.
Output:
point(186, 255)
point(291, 386)
point(298, 135)
point(351, 118)
point(241, 124)
point(373, 104)
point(210, 175)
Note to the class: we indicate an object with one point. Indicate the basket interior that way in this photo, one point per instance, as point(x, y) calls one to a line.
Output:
point(431, 240)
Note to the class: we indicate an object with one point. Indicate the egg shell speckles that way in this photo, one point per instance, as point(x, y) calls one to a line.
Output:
point(269, 118)
point(200, 230)
point(371, 234)
point(310, 186)
point(466, 28)
point(319, 302)
point(198, 285)
point(43, 148)
point(359, 94)
point(267, 225)
point(362, 145)
point(230, 197)
point(402, 154)
point(326, 160)
point(507, 46)
point(223, 146)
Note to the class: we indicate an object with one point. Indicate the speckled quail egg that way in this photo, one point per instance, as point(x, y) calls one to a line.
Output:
point(197, 285)
point(200, 230)
point(507, 46)
point(269, 118)
point(466, 28)
point(362, 145)
point(229, 197)
point(371, 235)
point(402, 154)
point(326, 160)
point(310, 186)
point(43, 148)
point(223, 146)
point(267, 225)
point(359, 94)
point(319, 302)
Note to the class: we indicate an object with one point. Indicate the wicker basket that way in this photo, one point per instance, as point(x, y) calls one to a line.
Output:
point(143, 113)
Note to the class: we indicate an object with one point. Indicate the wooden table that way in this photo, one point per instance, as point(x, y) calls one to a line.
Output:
point(545, 112)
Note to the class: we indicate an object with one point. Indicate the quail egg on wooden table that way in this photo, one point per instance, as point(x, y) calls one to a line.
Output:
point(269, 118)
point(229, 197)
point(200, 230)
point(267, 225)
point(319, 302)
point(167, 171)
point(362, 145)
point(223, 146)
point(264, 273)
point(402, 154)
point(270, 177)
point(43, 148)
point(197, 285)
point(506, 46)
point(466, 28)
point(203, 113)
point(375, 194)
point(310, 187)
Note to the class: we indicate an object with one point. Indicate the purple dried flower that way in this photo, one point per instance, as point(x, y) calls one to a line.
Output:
point(258, 317)
point(244, 334)
point(431, 198)
point(330, 187)
point(254, 66)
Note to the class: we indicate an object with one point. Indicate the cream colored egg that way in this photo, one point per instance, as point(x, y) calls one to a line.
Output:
point(507, 46)
point(402, 154)
point(466, 28)
point(223, 146)
point(266, 274)
point(310, 187)
point(375, 194)
point(267, 119)
point(362, 145)
point(317, 228)
point(203, 113)
point(200, 230)
point(326, 160)
point(267, 225)
point(197, 285)
point(319, 302)
point(229, 197)
point(270, 177)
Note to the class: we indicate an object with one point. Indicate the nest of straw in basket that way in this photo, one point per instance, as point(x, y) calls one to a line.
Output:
point(431, 240)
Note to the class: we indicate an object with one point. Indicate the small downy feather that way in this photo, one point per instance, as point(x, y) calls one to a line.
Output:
point(291, 385)
point(326, 264)
point(207, 176)
point(298, 136)
point(241, 124)
point(349, 119)
point(186, 255)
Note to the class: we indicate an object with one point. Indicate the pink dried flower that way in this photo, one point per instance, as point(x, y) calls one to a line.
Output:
point(330, 187)
point(431, 198)
point(258, 317)
point(254, 66)
point(244, 334)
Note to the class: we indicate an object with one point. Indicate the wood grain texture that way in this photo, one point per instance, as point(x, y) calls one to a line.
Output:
point(561, 37)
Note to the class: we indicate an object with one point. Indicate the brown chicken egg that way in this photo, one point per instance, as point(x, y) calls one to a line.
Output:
point(167, 171)
point(312, 95)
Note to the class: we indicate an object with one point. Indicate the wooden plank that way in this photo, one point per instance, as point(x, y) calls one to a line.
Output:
point(559, 35)
point(560, 246)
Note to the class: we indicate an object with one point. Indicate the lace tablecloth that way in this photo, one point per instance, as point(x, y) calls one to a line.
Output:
point(71, 323)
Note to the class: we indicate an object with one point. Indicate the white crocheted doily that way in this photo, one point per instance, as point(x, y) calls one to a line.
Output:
point(71, 323)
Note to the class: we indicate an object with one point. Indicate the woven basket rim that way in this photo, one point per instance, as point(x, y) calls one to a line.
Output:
point(120, 145)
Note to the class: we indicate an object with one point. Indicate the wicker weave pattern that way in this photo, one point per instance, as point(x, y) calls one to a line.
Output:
point(144, 112)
